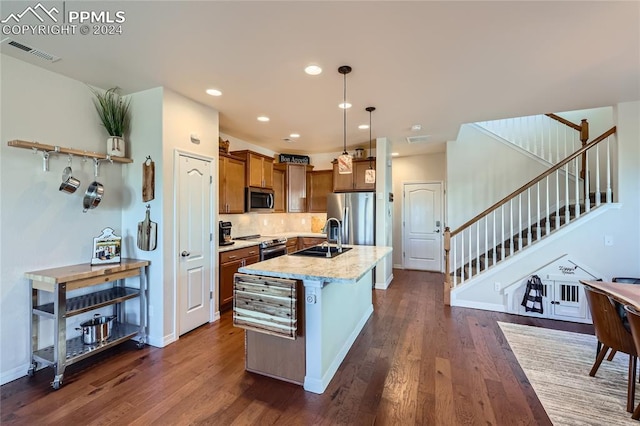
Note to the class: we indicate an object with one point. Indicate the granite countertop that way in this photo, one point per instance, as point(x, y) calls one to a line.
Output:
point(348, 267)
point(239, 244)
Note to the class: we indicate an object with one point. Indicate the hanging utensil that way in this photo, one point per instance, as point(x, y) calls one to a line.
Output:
point(148, 179)
point(69, 183)
point(147, 232)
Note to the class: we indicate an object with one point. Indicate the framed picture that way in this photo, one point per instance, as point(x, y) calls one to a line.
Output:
point(106, 248)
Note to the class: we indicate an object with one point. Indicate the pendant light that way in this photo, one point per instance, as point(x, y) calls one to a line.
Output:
point(345, 165)
point(370, 173)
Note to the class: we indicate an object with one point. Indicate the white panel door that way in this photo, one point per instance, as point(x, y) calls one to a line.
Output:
point(194, 245)
point(422, 226)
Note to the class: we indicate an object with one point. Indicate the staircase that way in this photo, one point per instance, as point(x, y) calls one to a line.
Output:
point(553, 200)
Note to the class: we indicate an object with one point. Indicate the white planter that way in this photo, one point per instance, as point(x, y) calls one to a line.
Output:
point(116, 146)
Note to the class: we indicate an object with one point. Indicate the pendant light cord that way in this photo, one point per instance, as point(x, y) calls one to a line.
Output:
point(344, 114)
point(370, 110)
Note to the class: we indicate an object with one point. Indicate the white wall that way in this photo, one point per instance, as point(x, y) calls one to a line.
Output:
point(42, 227)
point(414, 169)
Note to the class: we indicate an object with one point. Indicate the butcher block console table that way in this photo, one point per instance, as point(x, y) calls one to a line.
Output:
point(60, 282)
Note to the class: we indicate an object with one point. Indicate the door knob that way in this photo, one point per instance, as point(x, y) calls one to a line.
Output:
point(186, 254)
point(436, 231)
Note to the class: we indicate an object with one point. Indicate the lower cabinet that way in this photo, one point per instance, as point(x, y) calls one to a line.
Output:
point(230, 262)
point(304, 242)
point(292, 245)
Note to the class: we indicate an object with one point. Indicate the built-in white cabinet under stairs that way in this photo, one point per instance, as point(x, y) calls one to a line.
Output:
point(563, 296)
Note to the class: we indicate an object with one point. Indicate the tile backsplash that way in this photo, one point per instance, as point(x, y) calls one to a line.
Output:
point(273, 223)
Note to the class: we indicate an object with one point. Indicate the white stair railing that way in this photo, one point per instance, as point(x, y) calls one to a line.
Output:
point(541, 135)
point(539, 208)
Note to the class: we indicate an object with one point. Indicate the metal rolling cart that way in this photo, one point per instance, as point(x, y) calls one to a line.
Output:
point(61, 281)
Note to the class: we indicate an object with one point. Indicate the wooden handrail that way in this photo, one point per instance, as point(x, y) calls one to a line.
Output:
point(565, 121)
point(537, 179)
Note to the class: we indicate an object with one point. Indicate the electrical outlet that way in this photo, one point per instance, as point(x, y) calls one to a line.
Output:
point(496, 286)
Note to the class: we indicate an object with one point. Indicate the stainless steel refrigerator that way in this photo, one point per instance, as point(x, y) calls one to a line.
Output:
point(356, 212)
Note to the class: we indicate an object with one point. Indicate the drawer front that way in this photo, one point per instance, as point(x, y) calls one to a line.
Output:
point(230, 256)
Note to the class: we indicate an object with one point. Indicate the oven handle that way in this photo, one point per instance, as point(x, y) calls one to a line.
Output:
point(274, 249)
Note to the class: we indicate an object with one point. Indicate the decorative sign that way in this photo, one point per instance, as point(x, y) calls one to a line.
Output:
point(293, 158)
point(106, 248)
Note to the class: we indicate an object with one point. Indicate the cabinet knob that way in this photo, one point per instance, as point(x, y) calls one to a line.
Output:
point(185, 254)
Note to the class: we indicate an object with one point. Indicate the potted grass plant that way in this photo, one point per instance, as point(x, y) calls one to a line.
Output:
point(114, 114)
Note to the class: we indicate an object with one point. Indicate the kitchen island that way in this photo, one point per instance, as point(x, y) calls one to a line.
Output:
point(337, 304)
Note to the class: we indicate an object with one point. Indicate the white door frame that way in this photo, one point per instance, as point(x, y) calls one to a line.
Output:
point(442, 210)
point(177, 153)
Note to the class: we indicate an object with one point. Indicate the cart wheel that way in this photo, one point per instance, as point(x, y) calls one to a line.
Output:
point(140, 344)
point(32, 369)
point(57, 382)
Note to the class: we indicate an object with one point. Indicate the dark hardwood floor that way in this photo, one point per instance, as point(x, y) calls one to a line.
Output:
point(415, 362)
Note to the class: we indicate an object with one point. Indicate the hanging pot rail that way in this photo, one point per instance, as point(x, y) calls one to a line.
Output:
point(48, 150)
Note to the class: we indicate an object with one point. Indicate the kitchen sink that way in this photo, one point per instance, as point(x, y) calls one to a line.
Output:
point(320, 251)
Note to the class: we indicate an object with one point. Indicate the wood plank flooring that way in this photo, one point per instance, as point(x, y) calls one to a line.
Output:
point(415, 362)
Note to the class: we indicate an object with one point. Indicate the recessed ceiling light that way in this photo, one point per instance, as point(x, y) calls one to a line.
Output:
point(313, 69)
point(344, 105)
point(395, 154)
point(363, 126)
point(214, 92)
point(294, 135)
point(263, 118)
point(416, 127)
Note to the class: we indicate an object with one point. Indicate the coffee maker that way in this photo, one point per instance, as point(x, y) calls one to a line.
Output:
point(225, 234)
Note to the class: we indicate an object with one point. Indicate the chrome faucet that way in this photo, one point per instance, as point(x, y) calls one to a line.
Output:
point(326, 230)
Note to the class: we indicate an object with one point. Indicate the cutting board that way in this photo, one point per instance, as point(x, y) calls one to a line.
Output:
point(147, 233)
point(148, 180)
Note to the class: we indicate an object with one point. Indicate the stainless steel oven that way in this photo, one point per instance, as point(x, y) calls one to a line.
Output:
point(270, 247)
point(273, 248)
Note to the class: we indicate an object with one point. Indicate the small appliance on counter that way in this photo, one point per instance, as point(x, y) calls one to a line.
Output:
point(225, 234)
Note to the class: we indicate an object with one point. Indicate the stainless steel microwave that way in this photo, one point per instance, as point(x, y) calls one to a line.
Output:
point(259, 200)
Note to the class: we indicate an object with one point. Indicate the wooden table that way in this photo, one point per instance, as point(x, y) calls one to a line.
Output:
point(627, 294)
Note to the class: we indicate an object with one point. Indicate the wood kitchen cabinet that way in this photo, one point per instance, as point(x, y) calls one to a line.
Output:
point(292, 245)
point(259, 170)
point(230, 262)
point(305, 242)
point(319, 184)
point(355, 181)
point(279, 185)
point(231, 183)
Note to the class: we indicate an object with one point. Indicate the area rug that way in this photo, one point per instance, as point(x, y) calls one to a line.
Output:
point(557, 364)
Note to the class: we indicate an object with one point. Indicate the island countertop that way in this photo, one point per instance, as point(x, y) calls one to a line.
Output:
point(348, 267)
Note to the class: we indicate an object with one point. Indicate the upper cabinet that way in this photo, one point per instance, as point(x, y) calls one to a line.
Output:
point(290, 187)
point(231, 183)
point(259, 168)
point(279, 185)
point(353, 181)
point(319, 184)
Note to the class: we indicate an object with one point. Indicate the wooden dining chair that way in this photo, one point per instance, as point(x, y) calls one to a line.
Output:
point(610, 331)
point(634, 323)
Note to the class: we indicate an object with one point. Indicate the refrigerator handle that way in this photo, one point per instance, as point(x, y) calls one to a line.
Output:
point(345, 226)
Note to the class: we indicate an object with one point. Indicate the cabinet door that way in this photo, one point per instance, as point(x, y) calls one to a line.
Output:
point(305, 242)
point(569, 300)
point(222, 191)
point(235, 185)
point(359, 170)
point(267, 173)
point(342, 183)
point(296, 188)
point(255, 173)
point(319, 184)
point(292, 245)
point(227, 270)
point(279, 194)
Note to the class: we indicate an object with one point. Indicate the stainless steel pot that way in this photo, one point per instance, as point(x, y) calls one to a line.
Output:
point(92, 196)
point(97, 329)
point(69, 183)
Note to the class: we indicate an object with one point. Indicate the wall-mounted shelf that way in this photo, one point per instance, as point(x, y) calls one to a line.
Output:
point(54, 149)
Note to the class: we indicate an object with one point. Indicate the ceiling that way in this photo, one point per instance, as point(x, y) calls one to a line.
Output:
point(436, 64)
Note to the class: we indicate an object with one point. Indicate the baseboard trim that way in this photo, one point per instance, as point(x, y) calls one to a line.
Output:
point(477, 305)
point(15, 373)
point(384, 285)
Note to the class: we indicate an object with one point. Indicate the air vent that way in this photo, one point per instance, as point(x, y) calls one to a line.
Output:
point(39, 53)
point(418, 139)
